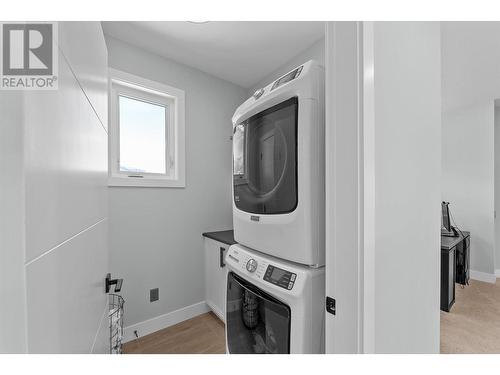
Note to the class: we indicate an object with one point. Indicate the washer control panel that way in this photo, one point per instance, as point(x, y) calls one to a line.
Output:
point(251, 265)
point(280, 277)
point(247, 263)
point(254, 266)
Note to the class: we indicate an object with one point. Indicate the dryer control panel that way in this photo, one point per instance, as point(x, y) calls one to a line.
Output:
point(287, 77)
point(280, 277)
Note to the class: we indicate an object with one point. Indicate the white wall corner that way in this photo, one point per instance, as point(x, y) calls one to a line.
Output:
point(163, 321)
point(485, 277)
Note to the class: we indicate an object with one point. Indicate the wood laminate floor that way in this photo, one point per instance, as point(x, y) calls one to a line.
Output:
point(473, 324)
point(203, 334)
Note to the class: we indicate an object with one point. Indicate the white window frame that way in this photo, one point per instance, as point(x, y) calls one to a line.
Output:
point(138, 88)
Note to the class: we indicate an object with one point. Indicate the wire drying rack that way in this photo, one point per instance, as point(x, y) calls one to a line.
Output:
point(116, 303)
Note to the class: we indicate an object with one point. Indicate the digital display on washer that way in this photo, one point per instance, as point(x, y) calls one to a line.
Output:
point(280, 277)
point(277, 274)
point(287, 78)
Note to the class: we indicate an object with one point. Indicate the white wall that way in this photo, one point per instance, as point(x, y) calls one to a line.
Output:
point(468, 178)
point(155, 233)
point(65, 170)
point(470, 58)
point(407, 150)
point(12, 288)
point(470, 84)
point(314, 52)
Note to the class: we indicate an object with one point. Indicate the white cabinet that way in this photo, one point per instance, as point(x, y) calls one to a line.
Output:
point(215, 276)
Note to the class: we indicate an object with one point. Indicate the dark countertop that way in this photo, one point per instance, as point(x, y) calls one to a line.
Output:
point(224, 236)
point(448, 243)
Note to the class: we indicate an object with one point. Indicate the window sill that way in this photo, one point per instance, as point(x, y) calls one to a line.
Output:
point(145, 182)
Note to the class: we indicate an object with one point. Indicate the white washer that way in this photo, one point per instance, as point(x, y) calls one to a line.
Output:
point(278, 168)
point(272, 305)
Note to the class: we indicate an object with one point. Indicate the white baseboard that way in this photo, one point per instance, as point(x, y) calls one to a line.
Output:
point(217, 312)
point(163, 321)
point(483, 276)
point(497, 273)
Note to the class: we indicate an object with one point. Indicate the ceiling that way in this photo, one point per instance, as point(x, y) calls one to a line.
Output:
point(239, 52)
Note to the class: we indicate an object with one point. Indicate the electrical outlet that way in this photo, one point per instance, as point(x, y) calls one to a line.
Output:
point(154, 294)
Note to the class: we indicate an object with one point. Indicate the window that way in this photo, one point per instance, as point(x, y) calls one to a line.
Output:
point(146, 133)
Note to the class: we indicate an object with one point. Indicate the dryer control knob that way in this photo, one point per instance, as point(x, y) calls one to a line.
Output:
point(251, 265)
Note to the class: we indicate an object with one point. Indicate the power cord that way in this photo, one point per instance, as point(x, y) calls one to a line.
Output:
point(455, 224)
point(463, 238)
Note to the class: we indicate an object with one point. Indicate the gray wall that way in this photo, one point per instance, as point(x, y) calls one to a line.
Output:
point(468, 180)
point(407, 191)
point(12, 290)
point(470, 84)
point(314, 52)
point(155, 233)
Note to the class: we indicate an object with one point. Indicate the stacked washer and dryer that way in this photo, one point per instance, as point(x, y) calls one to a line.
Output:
point(276, 278)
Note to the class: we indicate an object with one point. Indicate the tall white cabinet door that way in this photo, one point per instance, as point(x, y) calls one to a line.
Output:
point(66, 200)
point(221, 279)
point(210, 284)
point(215, 276)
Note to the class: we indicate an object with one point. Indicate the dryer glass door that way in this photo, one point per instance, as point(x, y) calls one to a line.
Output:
point(255, 321)
point(265, 160)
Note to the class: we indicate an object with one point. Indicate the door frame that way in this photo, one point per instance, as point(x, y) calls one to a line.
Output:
point(349, 153)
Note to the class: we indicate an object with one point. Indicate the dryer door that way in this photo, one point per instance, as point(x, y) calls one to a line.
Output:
point(256, 323)
point(265, 160)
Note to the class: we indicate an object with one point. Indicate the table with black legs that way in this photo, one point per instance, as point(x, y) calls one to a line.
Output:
point(455, 265)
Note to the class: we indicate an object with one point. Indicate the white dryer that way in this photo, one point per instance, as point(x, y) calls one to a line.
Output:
point(278, 168)
point(273, 306)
